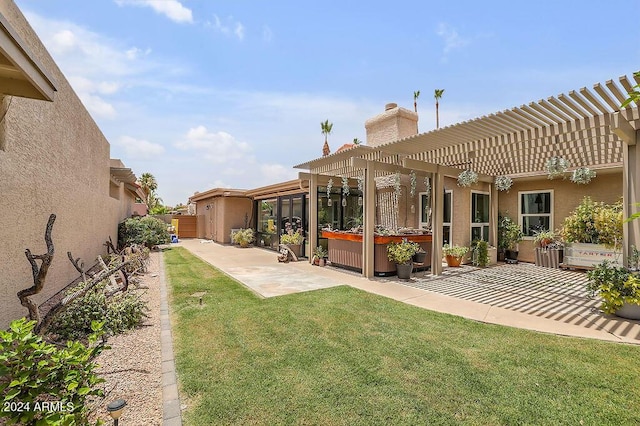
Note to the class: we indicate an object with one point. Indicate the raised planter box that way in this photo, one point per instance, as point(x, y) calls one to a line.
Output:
point(549, 258)
point(345, 250)
point(629, 311)
point(584, 255)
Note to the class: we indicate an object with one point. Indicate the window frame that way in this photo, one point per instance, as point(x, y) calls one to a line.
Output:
point(521, 215)
point(480, 225)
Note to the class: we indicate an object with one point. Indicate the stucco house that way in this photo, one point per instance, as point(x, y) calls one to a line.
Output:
point(587, 128)
point(53, 159)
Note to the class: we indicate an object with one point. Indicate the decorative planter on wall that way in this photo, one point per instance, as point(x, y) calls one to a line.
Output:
point(549, 258)
point(589, 255)
point(404, 270)
point(629, 311)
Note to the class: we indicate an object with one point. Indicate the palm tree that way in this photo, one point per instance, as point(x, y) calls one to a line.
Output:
point(326, 131)
point(438, 94)
point(416, 94)
point(356, 141)
point(149, 185)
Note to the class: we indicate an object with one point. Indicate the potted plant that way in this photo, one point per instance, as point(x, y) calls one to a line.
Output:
point(480, 253)
point(618, 287)
point(509, 235)
point(548, 250)
point(592, 233)
point(293, 240)
point(319, 255)
point(420, 256)
point(401, 254)
point(243, 237)
point(454, 254)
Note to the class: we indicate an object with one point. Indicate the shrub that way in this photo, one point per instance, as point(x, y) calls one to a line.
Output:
point(594, 222)
point(402, 252)
point(244, 237)
point(480, 253)
point(616, 286)
point(120, 312)
point(147, 231)
point(34, 373)
point(292, 237)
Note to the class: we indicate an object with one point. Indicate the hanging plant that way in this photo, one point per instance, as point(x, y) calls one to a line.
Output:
point(345, 186)
point(503, 183)
point(396, 183)
point(412, 179)
point(427, 185)
point(582, 175)
point(556, 166)
point(329, 186)
point(361, 183)
point(467, 178)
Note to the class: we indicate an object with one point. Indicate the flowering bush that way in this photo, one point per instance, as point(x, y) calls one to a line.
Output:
point(616, 286)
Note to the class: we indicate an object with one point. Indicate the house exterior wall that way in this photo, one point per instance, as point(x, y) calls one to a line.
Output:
point(223, 214)
point(54, 160)
point(606, 187)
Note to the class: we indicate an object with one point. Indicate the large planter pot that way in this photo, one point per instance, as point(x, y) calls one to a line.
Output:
point(548, 257)
point(420, 257)
point(511, 256)
point(590, 255)
point(404, 270)
point(296, 249)
point(453, 261)
point(629, 311)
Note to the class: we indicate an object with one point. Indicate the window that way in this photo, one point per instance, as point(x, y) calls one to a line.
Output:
point(479, 216)
point(425, 214)
point(447, 216)
point(535, 211)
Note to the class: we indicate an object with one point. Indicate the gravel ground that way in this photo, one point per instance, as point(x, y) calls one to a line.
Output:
point(132, 367)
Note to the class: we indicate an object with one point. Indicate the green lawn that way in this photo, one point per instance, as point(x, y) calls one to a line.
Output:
point(343, 356)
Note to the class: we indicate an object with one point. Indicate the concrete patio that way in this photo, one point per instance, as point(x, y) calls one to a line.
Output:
point(523, 295)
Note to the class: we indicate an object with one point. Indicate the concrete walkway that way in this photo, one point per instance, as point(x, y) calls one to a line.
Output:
point(523, 295)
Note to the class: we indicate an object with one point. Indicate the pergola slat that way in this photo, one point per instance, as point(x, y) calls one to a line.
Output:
point(607, 98)
point(589, 96)
point(613, 88)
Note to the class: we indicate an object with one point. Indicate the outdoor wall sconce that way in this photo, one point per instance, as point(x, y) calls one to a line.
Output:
point(115, 409)
point(329, 202)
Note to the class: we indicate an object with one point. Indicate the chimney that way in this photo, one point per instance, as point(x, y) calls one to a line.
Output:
point(393, 124)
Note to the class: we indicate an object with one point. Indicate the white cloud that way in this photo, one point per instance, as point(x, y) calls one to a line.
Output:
point(172, 9)
point(267, 34)
point(139, 148)
point(452, 40)
point(226, 27)
point(135, 53)
point(277, 172)
point(219, 147)
point(239, 31)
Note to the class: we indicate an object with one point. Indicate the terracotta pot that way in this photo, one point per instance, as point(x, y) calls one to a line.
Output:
point(453, 261)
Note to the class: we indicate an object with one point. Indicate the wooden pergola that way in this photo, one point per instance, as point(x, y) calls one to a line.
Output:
point(586, 127)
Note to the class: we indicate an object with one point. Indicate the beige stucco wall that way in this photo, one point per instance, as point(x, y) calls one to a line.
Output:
point(56, 160)
point(223, 214)
point(392, 125)
point(605, 187)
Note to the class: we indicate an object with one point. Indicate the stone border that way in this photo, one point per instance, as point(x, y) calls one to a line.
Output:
point(171, 400)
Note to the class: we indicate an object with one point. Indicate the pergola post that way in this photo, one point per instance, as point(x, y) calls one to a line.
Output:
point(368, 247)
point(493, 216)
point(630, 182)
point(437, 211)
point(312, 235)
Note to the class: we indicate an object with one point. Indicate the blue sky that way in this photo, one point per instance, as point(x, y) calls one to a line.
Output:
point(206, 93)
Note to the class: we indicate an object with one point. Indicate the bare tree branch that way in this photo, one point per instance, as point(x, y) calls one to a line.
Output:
point(39, 273)
point(79, 265)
